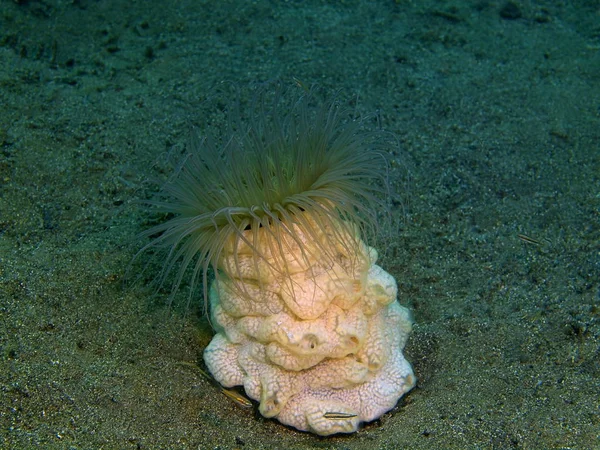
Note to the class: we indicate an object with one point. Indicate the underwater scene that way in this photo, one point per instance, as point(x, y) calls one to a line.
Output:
point(299, 224)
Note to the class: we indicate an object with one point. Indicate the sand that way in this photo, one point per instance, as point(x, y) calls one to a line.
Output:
point(496, 109)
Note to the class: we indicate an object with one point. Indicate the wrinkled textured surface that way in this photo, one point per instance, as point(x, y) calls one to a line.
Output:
point(333, 345)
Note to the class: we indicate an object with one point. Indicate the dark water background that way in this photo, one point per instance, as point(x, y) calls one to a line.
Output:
point(496, 106)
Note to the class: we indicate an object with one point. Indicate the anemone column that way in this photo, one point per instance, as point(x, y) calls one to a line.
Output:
point(319, 344)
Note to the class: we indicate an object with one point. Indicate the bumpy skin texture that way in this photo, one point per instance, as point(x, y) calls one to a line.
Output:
point(319, 347)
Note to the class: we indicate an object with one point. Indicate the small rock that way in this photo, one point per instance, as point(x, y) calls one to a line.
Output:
point(510, 11)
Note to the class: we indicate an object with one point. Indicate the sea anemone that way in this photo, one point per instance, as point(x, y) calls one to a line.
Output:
point(295, 169)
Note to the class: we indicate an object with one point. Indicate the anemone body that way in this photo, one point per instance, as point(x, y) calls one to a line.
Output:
point(280, 211)
point(320, 347)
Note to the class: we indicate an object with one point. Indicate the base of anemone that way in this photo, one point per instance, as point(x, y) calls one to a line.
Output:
point(325, 375)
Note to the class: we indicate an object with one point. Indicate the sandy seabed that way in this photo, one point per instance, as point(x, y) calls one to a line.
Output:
point(496, 107)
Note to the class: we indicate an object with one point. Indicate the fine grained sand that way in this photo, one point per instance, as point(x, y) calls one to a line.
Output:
point(497, 111)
